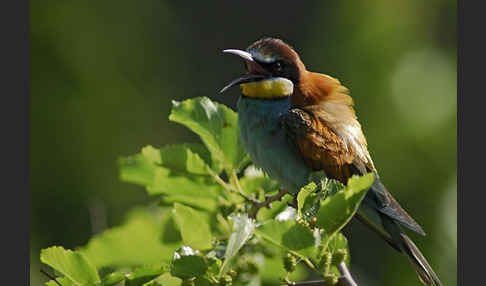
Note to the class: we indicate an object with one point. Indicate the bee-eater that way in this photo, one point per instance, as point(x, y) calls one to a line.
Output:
point(294, 122)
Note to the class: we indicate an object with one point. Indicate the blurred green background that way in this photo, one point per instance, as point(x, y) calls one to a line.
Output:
point(103, 75)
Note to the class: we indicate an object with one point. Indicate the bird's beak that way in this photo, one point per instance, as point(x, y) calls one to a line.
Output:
point(255, 71)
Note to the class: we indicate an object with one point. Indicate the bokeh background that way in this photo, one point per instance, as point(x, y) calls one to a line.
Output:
point(103, 74)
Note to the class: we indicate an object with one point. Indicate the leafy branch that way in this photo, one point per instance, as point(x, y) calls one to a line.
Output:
point(266, 203)
point(217, 222)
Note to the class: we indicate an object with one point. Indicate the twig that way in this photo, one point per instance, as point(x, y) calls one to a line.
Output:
point(308, 283)
point(345, 280)
point(268, 200)
point(237, 187)
point(220, 181)
point(50, 276)
point(234, 176)
point(230, 188)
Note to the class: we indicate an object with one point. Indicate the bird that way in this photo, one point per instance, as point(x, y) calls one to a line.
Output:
point(294, 122)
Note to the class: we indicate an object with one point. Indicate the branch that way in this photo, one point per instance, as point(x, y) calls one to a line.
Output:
point(268, 200)
point(345, 280)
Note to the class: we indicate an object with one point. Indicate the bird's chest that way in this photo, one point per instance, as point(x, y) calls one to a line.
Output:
point(265, 140)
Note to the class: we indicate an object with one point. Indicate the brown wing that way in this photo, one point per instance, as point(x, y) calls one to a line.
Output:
point(334, 140)
point(319, 145)
point(323, 149)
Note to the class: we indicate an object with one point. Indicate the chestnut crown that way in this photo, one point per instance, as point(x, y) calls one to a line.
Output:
point(277, 58)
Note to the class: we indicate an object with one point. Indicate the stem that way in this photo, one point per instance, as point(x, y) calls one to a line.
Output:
point(346, 279)
point(234, 176)
point(237, 187)
point(308, 283)
point(229, 187)
point(218, 180)
point(268, 200)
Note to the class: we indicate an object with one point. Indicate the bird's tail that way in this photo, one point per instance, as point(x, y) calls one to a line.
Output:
point(382, 213)
point(425, 273)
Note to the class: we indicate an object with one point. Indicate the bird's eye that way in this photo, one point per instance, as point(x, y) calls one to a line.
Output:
point(277, 66)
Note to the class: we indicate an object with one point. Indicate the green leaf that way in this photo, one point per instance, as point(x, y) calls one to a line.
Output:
point(145, 169)
point(194, 227)
point(338, 209)
point(276, 208)
point(143, 274)
point(214, 263)
point(71, 264)
point(204, 204)
point(112, 278)
point(140, 240)
point(243, 228)
point(255, 184)
point(188, 264)
point(333, 186)
point(166, 280)
point(203, 281)
point(273, 270)
point(216, 125)
point(337, 248)
point(183, 158)
point(61, 280)
point(139, 168)
point(305, 193)
point(339, 243)
point(289, 235)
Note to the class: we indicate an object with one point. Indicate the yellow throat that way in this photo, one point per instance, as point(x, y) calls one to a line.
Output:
point(275, 87)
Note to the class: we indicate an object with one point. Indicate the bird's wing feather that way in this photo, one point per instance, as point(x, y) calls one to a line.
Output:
point(322, 149)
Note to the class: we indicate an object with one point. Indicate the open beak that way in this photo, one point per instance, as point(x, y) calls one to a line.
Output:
point(255, 71)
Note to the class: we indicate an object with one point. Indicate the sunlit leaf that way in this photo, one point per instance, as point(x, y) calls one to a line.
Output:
point(339, 243)
point(112, 279)
point(145, 169)
point(289, 235)
point(216, 125)
point(60, 280)
point(140, 240)
point(142, 275)
point(273, 270)
point(183, 158)
point(276, 207)
point(305, 193)
point(201, 203)
point(338, 209)
point(254, 184)
point(194, 227)
point(72, 264)
point(167, 280)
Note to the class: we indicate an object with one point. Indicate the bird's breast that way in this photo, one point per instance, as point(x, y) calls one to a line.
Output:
point(264, 138)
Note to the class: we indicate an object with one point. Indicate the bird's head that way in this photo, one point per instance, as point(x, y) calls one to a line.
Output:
point(273, 69)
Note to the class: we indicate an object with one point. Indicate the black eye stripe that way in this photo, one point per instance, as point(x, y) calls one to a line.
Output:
point(272, 65)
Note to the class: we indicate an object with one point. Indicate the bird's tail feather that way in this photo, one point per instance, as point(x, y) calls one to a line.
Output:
point(425, 273)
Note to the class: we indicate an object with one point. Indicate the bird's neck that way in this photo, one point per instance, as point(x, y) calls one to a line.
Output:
point(265, 107)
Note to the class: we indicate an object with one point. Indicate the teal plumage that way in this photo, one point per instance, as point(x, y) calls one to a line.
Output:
point(265, 139)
